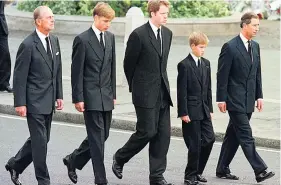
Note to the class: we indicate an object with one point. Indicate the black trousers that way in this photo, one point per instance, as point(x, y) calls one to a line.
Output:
point(35, 148)
point(5, 61)
point(97, 126)
point(199, 138)
point(153, 126)
point(239, 132)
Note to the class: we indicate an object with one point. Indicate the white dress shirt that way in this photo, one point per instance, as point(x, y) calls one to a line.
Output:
point(244, 40)
point(42, 37)
point(195, 58)
point(97, 32)
point(154, 29)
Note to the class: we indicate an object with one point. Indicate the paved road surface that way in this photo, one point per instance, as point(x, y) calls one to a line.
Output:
point(66, 137)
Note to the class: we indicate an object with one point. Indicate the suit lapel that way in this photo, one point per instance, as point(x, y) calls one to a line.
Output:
point(108, 50)
point(165, 43)
point(54, 50)
point(95, 44)
point(204, 70)
point(195, 69)
point(241, 48)
point(255, 57)
point(153, 38)
point(42, 51)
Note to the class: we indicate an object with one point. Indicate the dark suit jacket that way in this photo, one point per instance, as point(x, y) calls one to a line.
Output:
point(37, 79)
point(144, 67)
point(3, 23)
point(194, 90)
point(93, 72)
point(239, 81)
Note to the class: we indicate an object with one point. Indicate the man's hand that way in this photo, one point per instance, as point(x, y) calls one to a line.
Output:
point(260, 104)
point(212, 116)
point(185, 119)
point(21, 111)
point(79, 106)
point(114, 101)
point(59, 104)
point(222, 107)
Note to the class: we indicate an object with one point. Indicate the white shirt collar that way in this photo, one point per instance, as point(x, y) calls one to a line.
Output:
point(195, 58)
point(97, 31)
point(42, 37)
point(244, 40)
point(154, 28)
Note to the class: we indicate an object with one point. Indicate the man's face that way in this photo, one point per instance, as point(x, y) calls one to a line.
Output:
point(160, 17)
point(46, 20)
point(102, 23)
point(252, 28)
point(198, 50)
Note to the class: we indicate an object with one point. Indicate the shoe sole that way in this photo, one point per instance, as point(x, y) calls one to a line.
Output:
point(224, 177)
point(116, 174)
point(271, 175)
point(66, 164)
point(8, 168)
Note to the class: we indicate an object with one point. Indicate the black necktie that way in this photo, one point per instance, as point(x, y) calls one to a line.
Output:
point(198, 63)
point(101, 41)
point(159, 40)
point(49, 53)
point(250, 50)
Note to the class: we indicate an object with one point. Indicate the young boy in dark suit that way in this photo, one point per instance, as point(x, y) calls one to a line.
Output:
point(195, 108)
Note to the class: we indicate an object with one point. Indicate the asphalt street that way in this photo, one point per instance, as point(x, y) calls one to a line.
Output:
point(66, 137)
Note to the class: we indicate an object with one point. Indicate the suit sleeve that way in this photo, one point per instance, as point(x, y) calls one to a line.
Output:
point(224, 65)
point(77, 70)
point(182, 90)
point(209, 93)
point(113, 70)
point(59, 89)
point(133, 50)
point(259, 93)
point(21, 70)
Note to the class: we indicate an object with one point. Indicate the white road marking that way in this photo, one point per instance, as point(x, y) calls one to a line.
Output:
point(126, 132)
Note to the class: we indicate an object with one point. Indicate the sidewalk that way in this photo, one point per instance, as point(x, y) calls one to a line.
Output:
point(265, 129)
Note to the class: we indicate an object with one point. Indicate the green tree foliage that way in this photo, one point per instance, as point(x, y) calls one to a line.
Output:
point(179, 8)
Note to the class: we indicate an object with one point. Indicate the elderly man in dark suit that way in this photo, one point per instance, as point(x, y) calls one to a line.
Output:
point(239, 85)
point(5, 59)
point(37, 86)
point(93, 80)
point(145, 66)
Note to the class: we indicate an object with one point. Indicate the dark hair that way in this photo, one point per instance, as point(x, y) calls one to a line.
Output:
point(247, 17)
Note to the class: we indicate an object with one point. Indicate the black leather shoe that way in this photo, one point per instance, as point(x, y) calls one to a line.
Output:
point(70, 171)
point(190, 182)
point(264, 175)
point(162, 182)
point(6, 88)
point(14, 175)
point(227, 176)
point(200, 178)
point(117, 168)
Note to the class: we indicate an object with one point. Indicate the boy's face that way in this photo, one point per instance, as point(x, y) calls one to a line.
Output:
point(102, 23)
point(198, 50)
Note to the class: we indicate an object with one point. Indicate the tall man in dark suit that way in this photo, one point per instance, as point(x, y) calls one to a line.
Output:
point(93, 80)
point(239, 85)
point(145, 66)
point(195, 108)
point(37, 86)
point(5, 59)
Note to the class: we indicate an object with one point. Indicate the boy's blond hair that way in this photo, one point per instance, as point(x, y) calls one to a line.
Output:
point(104, 10)
point(197, 38)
